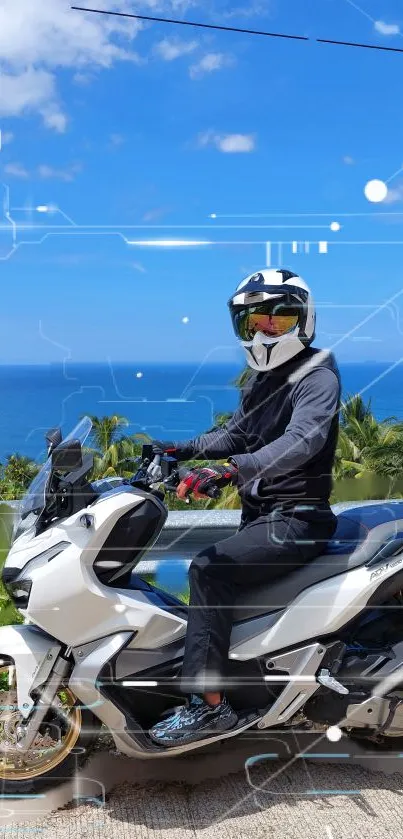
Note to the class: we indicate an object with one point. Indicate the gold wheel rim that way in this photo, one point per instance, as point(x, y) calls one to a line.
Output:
point(50, 748)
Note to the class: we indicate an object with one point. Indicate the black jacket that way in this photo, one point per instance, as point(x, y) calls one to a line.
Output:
point(283, 436)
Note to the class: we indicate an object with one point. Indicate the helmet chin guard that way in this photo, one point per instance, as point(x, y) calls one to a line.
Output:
point(265, 357)
point(270, 300)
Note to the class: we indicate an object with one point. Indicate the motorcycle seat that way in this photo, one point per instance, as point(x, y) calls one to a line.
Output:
point(363, 535)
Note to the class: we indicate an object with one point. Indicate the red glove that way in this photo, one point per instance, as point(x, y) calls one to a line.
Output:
point(199, 480)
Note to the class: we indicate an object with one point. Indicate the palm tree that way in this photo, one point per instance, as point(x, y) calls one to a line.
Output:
point(359, 423)
point(20, 469)
point(368, 449)
point(105, 430)
point(114, 453)
point(16, 475)
point(354, 408)
point(130, 449)
point(386, 459)
point(107, 443)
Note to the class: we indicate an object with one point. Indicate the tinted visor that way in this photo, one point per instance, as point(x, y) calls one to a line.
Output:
point(273, 318)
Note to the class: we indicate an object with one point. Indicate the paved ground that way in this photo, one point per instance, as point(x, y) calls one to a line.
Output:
point(257, 799)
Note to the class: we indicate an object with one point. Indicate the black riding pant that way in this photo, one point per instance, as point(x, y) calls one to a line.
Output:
point(262, 550)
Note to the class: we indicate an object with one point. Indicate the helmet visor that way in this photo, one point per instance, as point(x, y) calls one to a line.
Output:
point(272, 318)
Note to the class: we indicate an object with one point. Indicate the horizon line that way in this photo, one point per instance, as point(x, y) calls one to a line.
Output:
point(165, 362)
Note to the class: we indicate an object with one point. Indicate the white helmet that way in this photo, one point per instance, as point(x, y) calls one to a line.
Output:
point(273, 315)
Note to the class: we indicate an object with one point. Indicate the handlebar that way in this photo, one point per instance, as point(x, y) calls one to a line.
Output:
point(152, 471)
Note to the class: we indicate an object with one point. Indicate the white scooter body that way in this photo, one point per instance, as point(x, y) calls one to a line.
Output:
point(91, 622)
point(86, 610)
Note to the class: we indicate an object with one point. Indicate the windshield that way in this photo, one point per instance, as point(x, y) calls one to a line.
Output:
point(33, 503)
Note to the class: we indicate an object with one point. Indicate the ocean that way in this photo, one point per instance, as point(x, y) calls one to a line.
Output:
point(168, 401)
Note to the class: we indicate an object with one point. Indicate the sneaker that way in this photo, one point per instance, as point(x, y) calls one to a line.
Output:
point(195, 721)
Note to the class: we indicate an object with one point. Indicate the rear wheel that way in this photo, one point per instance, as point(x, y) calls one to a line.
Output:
point(62, 744)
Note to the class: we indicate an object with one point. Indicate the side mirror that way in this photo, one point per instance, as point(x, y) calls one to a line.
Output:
point(147, 452)
point(67, 457)
point(53, 439)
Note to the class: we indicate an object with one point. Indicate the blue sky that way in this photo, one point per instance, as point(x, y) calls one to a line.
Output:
point(142, 132)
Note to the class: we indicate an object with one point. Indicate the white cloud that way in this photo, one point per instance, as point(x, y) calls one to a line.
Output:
point(16, 170)
point(30, 89)
point(180, 6)
point(68, 174)
point(44, 171)
point(253, 9)
point(237, 143)
point(210, 62)
point(37, 39)
point(53, 35)
point(41, 37)
point(171, 48)
point(228, 143)
point(54, 118)
point(387, 28)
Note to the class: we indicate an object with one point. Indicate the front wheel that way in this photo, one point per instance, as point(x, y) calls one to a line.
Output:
point(63, 743)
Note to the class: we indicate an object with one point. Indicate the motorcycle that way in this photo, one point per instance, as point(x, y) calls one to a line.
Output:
point(321, 647)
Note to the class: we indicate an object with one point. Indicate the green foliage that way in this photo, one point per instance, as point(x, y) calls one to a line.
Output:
point(221, 419)
point(114, 453)
point(16, 475)
point(369, 456)
point(8, 613)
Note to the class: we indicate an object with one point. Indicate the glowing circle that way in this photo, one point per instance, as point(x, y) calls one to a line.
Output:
point(213, 215)
point(334, 733)
point(335, 226)
point(375, 191)
point(185, 320)
point(139, 375)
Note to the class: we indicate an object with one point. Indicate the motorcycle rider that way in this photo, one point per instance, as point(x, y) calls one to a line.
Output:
point(280, 446)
